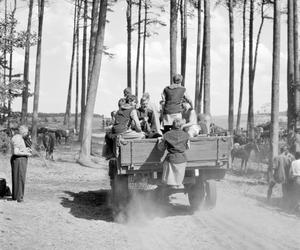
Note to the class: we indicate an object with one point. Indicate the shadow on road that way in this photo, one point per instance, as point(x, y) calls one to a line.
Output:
point(91, 205)
point(95, 205)
point(276, 203)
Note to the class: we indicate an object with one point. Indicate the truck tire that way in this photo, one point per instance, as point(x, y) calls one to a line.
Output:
point(196, 194)
point(211, 194)
point(120, 193)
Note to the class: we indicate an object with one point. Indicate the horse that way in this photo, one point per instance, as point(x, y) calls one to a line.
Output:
point(243, 152)
point(60, 133)
point(240, 139)
point(49, 142)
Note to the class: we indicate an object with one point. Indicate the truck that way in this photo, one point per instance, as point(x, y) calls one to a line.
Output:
point(208, 159)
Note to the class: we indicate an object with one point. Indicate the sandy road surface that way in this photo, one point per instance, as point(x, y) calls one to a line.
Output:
point(66, 207)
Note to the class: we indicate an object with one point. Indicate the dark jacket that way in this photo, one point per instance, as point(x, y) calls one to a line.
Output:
point(122, 121)
point(176, 142)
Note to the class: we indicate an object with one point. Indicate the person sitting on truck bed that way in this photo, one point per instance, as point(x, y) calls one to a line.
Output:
point(176, 141)
point(172, 98)
point(204, 121)
point(125, 118)
point(127, 92)
point(190, 117)
point(149, 119)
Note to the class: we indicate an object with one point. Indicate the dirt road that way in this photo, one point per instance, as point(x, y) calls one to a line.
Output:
point(67, 207)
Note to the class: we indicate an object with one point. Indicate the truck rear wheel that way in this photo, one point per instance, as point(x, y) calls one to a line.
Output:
point(196, 194)
point(211, 194)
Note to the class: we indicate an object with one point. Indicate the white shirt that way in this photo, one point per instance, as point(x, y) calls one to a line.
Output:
point(295, 168)
point(18, 146)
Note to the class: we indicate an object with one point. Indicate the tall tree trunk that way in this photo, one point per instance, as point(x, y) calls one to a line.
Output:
point(206, 101)
point(290, 67)
point(138, 51)
point(296, 66)
point(183, 11)
point(231, 67)
point(12, 29)
point(26, 67)
point(37, 72)
point(128, 19)
point(83, 72)
point(144, 44)
point(262, 14)
point(69, 97)
point(198, 63)
point(201, 94)
point(250, 125)
point(79, 2)
point(85, 149)
point(93, 35)
point(238, 121)
point(5, 42)
point(173, 38)
point(275, 79)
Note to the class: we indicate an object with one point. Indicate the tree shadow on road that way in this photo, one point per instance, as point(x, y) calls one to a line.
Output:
point(90, 205)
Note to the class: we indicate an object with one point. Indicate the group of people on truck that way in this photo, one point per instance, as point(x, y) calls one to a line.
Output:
point(133, 121)
point(174, 124)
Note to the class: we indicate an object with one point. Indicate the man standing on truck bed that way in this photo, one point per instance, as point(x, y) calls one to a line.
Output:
point(172, 98)
point(176, 141)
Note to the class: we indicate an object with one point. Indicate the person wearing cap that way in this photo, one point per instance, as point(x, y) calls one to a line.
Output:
point(189, 115)
point(172, 98)
point(279, 171)
point(18, 162)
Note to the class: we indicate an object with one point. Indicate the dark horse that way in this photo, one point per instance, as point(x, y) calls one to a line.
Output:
point(243, 152)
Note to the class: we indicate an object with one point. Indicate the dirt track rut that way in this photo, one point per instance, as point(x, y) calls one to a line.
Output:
point(66, 207)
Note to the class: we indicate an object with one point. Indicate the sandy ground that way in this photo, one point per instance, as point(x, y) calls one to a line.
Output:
point(67, 207)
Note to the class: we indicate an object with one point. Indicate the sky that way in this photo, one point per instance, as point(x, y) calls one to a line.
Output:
point(56, 57)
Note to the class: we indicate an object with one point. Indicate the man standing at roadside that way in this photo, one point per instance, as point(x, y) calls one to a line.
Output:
point(279, 172)
point(18, 162)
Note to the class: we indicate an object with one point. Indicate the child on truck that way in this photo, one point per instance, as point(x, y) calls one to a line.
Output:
point(176, 141)
point(125, 118)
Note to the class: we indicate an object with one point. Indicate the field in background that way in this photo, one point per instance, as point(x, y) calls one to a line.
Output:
point(222, 120)
point(54, 121)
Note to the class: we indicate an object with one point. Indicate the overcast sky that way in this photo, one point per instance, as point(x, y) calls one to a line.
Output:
point(56, 54)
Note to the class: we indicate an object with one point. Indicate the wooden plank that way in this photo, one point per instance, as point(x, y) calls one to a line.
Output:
point(145, 152)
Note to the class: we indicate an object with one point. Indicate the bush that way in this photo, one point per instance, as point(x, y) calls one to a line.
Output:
point(4, 143)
